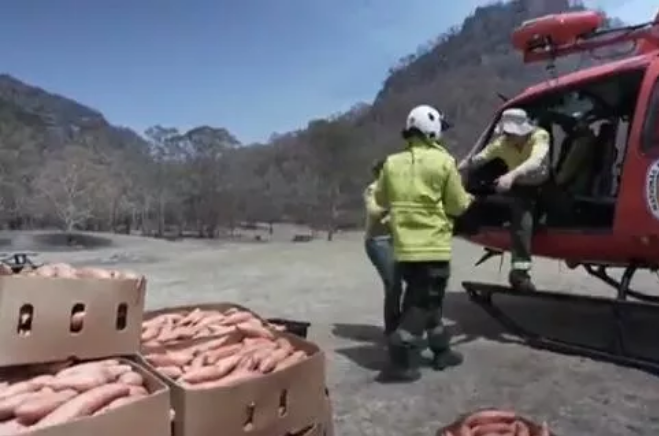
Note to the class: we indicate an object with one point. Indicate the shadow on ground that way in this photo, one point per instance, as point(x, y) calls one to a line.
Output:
point(468, 323)
point(69, 241)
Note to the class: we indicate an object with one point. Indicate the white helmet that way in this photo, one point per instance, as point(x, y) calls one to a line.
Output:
point(427, 120)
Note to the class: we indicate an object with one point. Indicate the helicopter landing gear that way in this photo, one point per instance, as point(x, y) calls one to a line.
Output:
point(483, 295)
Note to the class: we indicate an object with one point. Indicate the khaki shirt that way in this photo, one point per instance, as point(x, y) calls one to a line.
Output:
point(533, 156)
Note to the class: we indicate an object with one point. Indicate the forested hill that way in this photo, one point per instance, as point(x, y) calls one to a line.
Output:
point(204, 180)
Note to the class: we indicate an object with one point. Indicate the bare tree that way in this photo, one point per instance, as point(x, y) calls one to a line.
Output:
point(67, 184)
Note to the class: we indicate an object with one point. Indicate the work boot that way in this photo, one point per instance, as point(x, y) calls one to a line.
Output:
point(401, 367)
point(520, 280)
point(446, 359)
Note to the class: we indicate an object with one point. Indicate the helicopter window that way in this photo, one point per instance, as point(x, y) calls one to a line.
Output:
point(650, 133)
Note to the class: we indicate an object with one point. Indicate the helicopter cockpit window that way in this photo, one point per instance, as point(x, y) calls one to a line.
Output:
point(650, 138)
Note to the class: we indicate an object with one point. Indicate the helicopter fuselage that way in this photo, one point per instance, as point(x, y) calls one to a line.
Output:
point(632, 234)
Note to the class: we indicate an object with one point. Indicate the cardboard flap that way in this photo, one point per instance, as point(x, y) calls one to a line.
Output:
point(35, 318)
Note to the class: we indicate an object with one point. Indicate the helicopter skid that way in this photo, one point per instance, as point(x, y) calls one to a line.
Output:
point(483, 295)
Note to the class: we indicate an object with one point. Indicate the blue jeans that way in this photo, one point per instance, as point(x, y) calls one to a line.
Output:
point(380, 251)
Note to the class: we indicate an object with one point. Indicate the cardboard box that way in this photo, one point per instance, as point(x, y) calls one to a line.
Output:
point(35, 318)
point(325, 427)
point(253, 408)
point(149, 416)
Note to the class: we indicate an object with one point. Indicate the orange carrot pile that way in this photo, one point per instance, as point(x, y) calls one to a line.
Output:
point(170, 328)
point(66, 271)
point(65, 392)
point(496, 422)
point(242, 347)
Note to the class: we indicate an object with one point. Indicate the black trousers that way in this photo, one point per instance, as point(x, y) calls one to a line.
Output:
point(423, 307)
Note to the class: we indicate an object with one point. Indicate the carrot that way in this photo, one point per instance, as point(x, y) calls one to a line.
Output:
point(209, 373)
point(291, 360)
point(32, 410)
point(490, 417)
point(168, 358)
point(170, 371)
point(151, 345)
point(42, 380)
point(154, 323)
point(9, 404)
point(137, 391)
point(236, 318)
point(544, 430)
point(268, 364)
point(492, 429)
point(131, 378)
point(11, 428)
point(247, 362)
point(219, 342)
point(220, 353)
point(193, 317)
point(211, 319)
point(237, 376)
point(80, 382)
point(180, 358)
point(84, 404)
point(19, 388)
point(202, 332)
point(149, 334)
point(254, 330)
point(521, 429)
point(83, 367)
point(198, 361)
point(116, 371)
point(118, 403)
point(264, 351)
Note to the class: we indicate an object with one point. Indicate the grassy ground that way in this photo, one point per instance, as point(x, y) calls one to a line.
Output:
point(333, 286)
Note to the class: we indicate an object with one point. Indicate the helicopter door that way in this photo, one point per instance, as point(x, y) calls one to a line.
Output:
point(638, 203)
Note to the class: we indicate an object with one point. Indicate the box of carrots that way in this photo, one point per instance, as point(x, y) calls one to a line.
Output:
point(57, 311)
point(493, 421)
point(229, 369)
point(100, 398)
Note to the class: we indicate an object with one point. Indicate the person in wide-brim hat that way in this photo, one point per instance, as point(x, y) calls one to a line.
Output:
point(523, 148)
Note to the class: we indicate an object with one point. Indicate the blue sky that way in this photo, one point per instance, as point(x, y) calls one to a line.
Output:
point(253, 66)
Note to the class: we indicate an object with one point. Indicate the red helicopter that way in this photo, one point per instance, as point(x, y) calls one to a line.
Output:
point(615, 222)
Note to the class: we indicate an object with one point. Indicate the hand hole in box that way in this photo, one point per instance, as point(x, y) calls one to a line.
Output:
point(122, 316)
point(77, 318)
point(25, 316)
point(249, 417)
point(283, 403)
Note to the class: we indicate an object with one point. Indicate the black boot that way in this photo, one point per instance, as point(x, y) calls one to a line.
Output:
point(520, 280)
point(401, 368)
point(446, 359)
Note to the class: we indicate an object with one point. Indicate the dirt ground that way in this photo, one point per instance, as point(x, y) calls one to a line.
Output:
point(333, 286)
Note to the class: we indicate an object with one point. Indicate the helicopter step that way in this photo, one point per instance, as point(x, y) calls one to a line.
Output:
point(483, 295)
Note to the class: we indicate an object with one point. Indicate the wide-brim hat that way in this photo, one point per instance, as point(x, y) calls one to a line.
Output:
point(516, 122)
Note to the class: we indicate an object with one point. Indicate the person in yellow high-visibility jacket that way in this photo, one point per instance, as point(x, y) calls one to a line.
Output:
point(422, 189)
